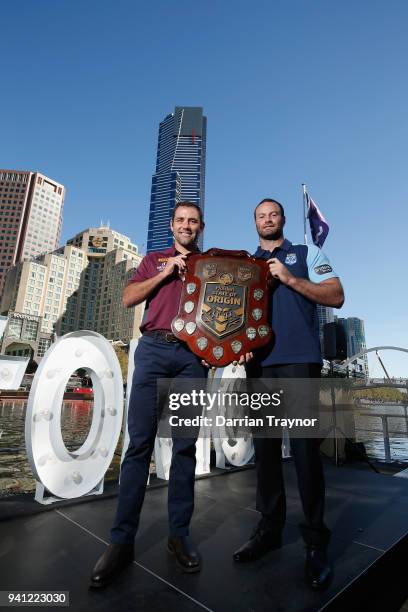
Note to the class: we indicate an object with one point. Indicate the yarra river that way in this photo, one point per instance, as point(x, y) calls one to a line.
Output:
point(76, 418)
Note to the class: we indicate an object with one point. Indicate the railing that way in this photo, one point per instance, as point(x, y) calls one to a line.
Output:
point(385, 429)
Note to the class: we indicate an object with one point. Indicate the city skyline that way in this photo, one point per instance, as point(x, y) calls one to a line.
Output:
point(312, 93)
point(86, 311)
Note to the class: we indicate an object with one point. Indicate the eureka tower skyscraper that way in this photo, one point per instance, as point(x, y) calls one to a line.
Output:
point(180, 171)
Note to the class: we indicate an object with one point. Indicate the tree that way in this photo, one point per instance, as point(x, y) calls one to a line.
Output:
point(123, 358)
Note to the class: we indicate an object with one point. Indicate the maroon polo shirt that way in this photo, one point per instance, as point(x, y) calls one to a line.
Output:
point(162, 305)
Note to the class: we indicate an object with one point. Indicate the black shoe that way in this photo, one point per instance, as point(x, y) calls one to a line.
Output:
point(262, 540)
point(114, 559)
point(318, 570)
point(186, 557)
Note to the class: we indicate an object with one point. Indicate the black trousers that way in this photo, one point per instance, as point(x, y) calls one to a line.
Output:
point(270, 497)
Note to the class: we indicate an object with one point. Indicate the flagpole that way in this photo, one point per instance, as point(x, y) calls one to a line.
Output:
point(304, 212)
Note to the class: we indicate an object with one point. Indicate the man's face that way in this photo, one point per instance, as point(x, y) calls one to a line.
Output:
point(186, 226)
point(269, 221)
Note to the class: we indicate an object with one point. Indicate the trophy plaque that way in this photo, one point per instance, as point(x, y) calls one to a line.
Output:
point(223, 310)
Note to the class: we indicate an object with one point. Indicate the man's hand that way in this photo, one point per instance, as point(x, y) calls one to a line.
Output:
point(135, 293)
point(243, 359)
point(327, 293)
point(279, 271)
point(178, 262)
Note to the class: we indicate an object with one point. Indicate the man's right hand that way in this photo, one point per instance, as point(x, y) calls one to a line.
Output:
point(178, 262)
point(138, 292)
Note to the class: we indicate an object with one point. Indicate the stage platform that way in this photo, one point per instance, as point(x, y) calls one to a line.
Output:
point(56, 548)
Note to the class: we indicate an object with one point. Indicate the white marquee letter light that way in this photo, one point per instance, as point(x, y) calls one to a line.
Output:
point(131, 369)
point(3, 323)
point(237, 451)
point(67, 474)
point(12, 369)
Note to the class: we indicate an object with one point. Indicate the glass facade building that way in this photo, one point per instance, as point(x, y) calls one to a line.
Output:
point(180, 171)
point(324, 315)
point(356, 340)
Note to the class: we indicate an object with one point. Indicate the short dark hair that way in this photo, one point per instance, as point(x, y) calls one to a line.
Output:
point(272, 201)
point(190, 205)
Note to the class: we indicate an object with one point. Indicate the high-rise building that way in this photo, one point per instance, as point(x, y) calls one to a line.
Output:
point(324, 315)
point(30, 217)
point(40, 289)
point(76, 287)
point(356, 340)
point(104, 249)
point(180, 171)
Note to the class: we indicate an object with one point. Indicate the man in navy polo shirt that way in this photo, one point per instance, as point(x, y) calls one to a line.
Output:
point(159, 354)
point(306, 278)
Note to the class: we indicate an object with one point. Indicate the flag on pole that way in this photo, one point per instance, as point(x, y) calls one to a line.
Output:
point(318, 224)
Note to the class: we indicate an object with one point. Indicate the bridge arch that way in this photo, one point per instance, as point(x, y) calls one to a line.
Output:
point(370, 350)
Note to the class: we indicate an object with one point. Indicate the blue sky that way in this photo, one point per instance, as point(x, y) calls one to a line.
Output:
point(294, 91)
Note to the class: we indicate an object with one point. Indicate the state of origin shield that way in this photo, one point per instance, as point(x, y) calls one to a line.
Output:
point(223, 310)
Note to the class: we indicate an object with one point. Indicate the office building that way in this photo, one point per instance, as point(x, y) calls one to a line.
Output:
point(78, 286)
point(41, 289)
point(31, 207)
point(356, 341)
point(104, 249)
point(180, 171)
point(324, 315)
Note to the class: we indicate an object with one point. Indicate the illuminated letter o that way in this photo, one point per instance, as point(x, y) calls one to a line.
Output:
point(73, 474)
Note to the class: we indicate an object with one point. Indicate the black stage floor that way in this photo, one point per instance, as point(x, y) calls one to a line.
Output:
point(56, 549)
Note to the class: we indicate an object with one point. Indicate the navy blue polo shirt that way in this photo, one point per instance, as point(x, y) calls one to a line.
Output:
point(293, 317)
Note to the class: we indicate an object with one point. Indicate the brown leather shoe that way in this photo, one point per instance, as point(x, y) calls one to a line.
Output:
point(261, 541)
point(186, 557)
point(114, 559)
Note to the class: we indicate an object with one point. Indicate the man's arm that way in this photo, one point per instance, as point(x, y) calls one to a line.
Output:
point(137, 292)
point(327, 293)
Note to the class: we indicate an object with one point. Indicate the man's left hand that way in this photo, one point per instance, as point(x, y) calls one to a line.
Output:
point(279, 271)
point(243, 359)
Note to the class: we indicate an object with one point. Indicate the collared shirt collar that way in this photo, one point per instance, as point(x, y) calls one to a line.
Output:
point(285, 246)
point(174, 252)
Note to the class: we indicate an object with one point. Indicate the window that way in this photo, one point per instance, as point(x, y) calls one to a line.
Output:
point(15, 327)
point(30, 330)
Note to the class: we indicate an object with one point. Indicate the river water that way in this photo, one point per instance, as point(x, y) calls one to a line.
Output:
point(76, 417)
point(15, 472)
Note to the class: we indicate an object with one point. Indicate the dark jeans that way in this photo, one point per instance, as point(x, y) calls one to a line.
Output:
point(155, 359)
point(270, 498)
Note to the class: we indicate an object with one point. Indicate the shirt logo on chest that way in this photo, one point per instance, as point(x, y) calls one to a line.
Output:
point(291, 259)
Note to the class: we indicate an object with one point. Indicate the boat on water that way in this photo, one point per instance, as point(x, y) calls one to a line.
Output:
point(75, 393)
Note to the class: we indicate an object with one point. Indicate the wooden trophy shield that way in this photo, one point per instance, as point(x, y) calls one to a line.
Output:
point(223, 310)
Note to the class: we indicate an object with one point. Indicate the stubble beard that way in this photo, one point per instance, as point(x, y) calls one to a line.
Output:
point(269, 234)
point(187, 241)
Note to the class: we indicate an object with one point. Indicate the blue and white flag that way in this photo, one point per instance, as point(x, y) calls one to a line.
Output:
point(318, 224)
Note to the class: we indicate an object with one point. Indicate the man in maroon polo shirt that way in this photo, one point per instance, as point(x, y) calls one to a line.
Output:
point(159, 354)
